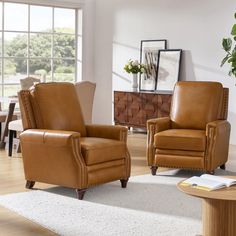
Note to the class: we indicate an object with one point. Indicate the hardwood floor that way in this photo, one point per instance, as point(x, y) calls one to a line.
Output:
point(12, 180)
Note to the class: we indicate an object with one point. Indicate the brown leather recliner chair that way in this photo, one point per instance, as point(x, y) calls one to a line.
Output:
point(196, 134)
point(58, 148)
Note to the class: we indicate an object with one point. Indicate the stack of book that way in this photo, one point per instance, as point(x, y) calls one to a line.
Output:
point(208, 182)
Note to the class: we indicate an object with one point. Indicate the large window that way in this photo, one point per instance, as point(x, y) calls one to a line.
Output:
point(39, 41)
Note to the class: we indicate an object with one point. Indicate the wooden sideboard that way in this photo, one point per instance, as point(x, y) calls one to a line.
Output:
point(133, 109)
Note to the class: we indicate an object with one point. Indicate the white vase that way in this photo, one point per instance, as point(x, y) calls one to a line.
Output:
point(135, 82)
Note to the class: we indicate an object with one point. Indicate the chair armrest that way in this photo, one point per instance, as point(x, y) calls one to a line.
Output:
point(155, 126)
point(160, 124)
point(218, 134)
point(53, 156)
point(116, 132)
point(49, 137)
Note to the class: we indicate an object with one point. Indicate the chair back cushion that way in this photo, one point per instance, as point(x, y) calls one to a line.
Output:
point(56, 107)
point(85, 91)
point(194, 104)
point(28, 82)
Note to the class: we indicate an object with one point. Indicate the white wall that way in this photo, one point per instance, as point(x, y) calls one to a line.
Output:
point(88, 40)
point(195, 26)
point(103, 61)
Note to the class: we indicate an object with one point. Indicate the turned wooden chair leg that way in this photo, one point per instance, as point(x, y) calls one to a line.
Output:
point(124, 183)
point(80, 193)
point(29, 184)
point(154, 170)
point(222, 167)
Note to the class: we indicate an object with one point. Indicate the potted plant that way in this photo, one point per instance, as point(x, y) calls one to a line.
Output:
point(229, 46)
point(134, 67)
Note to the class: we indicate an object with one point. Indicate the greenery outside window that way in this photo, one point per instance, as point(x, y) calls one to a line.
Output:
point(39, 41)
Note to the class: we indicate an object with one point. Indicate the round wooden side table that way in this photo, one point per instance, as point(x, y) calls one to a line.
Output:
point(218, 209)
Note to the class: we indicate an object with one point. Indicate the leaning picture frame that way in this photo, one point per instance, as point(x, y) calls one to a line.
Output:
point(168, 69)
point(149, 57)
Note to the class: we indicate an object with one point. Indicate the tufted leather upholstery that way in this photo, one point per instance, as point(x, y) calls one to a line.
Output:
point(58, 148)
point(196, 134)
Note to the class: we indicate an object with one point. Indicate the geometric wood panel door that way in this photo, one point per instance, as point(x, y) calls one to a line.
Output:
point(133, 109)
point(120, 107)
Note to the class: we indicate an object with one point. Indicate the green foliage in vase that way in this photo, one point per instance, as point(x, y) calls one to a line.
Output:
point(229, 45)
point(134, 67)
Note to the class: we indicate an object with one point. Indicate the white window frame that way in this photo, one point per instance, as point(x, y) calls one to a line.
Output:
point(77, 6)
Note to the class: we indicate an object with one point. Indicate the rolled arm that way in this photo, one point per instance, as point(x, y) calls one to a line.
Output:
point(154, 126)
point(218, 134)
point(53, 156)
point(160, 124)
point(49, 137)
point(108, 131)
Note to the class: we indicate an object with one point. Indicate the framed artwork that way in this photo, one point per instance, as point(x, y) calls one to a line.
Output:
point(168, 69)
point(149, 57)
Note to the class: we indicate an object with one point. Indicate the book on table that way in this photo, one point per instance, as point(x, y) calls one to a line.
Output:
point(208, 182)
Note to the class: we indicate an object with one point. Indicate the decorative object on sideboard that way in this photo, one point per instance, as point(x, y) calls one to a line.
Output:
point(168, 69)
point(230, 49)
point(149, 57)
point(135, 82)
point(134, 67)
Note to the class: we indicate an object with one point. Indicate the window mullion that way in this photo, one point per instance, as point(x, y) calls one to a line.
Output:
point(53, 58)
point(52, 53)
point(2, 78)
point(76, 44)
point(28, 43)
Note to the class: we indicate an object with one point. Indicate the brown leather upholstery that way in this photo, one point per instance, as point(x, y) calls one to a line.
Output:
point(100, 150)
point(203, 97)
point(181, 139)
point(59, 149)
point(52, 110)
point(196, 134)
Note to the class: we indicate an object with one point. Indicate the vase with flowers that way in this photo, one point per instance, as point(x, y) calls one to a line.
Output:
point(134, 67)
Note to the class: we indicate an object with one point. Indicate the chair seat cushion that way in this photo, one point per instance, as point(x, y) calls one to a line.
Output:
point(181, 139)
point(99, 150)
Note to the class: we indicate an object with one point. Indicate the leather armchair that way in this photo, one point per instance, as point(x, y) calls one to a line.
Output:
point(196, 134)
point(58, 148)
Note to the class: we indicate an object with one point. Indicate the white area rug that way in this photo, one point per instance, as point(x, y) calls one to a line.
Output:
point(151, 205)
